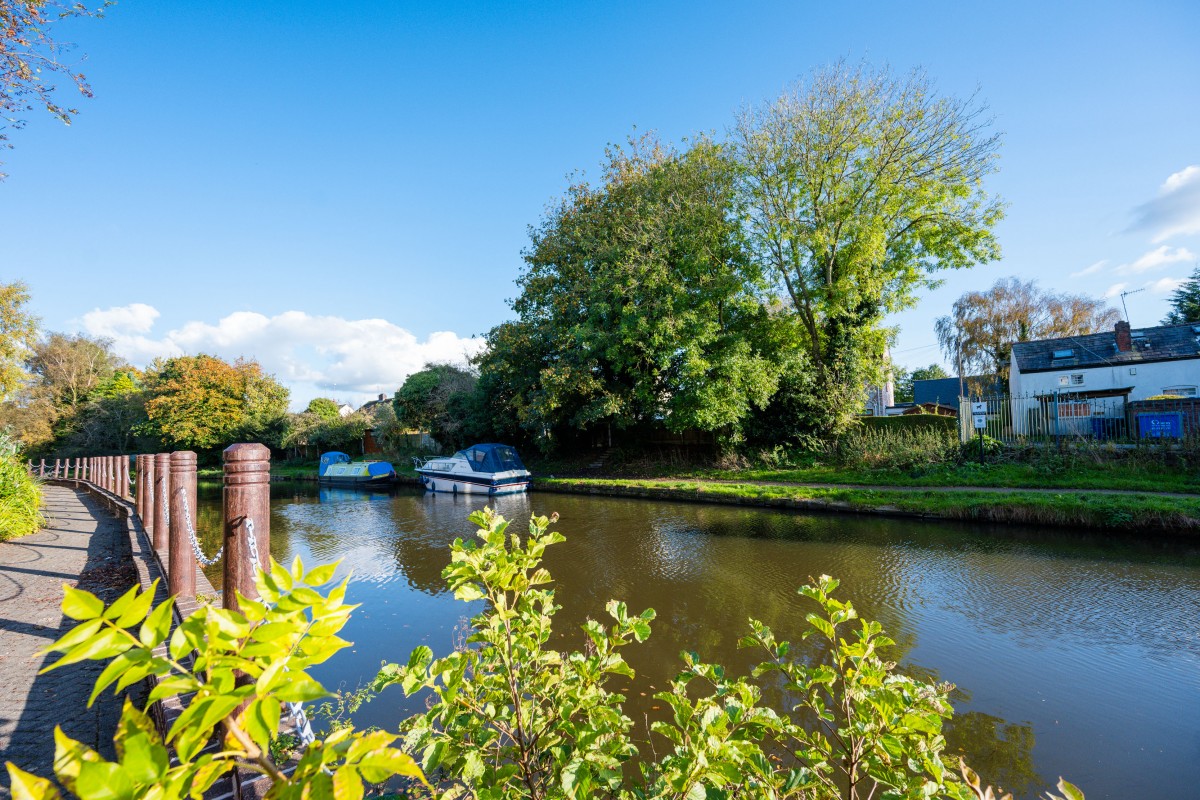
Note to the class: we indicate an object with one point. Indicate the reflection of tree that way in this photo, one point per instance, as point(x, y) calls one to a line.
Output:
point(1000, 751)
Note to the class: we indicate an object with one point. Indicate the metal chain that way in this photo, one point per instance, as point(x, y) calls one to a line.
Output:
point(303, 728)
point(252, 543)
point(191, 532)
point(166, 511)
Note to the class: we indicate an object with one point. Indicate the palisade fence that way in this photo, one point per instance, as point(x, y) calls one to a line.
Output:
point(161, 489)
point(1063, 418)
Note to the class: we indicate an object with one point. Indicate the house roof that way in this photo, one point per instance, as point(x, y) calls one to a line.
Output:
point(945, 391)
point(1162, 343)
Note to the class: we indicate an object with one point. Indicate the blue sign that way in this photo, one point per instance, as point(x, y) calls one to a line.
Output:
point(1167, 425)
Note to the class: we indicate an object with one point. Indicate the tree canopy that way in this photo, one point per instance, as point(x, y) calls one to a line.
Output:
point(1185, 301)
point(638, 304)
point(30, 56)
point(324, 408)
point(978, 335)
point(201, 402)
point(437, 400)
point(18, 333)
point(857, 188)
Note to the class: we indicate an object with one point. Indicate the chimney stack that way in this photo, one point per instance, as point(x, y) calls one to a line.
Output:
point(1124, 340)
point(381, 397)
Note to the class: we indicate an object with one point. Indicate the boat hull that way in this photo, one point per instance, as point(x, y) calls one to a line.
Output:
point(359, 481)
point(457, 484)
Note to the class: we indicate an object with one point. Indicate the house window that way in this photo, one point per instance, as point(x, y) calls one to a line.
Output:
point(1059, 355)
point(1182, 391)
point(1074, 410)
point(1074, 379)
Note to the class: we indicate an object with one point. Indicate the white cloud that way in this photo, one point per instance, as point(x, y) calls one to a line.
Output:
point(1165, 285)
point(349, 359)
point(1115, 290)
point(1176, 209)
point(1094, 268)
point(1156, 259)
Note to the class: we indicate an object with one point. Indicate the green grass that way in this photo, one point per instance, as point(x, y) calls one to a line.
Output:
point(1069, 508)
point(1134, 477)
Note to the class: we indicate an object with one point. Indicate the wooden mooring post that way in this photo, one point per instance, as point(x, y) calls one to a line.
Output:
point(181, 561)
point(123, 471)
point(162, 505)
point(246, 498)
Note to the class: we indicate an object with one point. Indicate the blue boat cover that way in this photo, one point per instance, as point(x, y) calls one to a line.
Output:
point(492, 458)
point(331, 458)
point(375, 468)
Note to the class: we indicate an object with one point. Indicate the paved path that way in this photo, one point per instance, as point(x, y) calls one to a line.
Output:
point(80, 544)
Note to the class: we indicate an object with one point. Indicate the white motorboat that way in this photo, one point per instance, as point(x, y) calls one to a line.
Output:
point(480, 469)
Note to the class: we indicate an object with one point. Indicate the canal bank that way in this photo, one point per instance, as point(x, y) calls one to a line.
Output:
point(1170, 513)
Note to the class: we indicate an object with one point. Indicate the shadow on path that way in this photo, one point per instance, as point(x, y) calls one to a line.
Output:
point(82, 545)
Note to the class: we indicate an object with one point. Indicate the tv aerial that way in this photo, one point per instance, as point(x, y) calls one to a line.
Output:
point(1123, 294)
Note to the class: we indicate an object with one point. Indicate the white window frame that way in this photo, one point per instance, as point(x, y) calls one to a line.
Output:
point(1184, 391)
point(1071, 379)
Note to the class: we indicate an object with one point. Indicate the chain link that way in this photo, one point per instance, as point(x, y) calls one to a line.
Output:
point(252, 543)
point(191, 532)
point(166, 511)
point(303, 728)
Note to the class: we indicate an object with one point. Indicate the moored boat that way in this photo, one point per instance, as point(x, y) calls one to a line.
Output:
point(480, 469)
point(337, 469)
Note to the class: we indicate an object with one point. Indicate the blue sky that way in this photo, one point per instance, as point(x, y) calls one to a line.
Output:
point(342, 190)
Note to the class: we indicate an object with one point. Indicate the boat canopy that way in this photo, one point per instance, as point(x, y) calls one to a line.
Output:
point(331, 458)
point(492, 458)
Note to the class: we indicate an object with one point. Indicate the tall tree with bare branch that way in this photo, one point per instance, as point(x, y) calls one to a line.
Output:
point(858, 187)
point(978, 335)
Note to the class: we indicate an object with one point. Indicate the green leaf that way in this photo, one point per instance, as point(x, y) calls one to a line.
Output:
point(81, 605)
point(321, 574)
point(300, 688)
point(136, 612)
point(26, 786)
point(261, 719)
point(157, 625)
point(102, 780)
point(347, 785)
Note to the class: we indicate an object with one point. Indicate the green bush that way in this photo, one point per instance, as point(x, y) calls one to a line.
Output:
point(20, 497)
point(911, 422)
point(902, 447)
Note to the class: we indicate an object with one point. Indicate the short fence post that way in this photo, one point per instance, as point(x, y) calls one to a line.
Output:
point(162, 509)
point(77, 460)
point(181, 561)
point(42, 469)
point(124, 476)
point(139, 486)
point(57, 461)
point(247, 505)
point(146, 481)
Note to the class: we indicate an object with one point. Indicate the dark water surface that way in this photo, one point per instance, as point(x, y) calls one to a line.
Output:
point(1074, 654)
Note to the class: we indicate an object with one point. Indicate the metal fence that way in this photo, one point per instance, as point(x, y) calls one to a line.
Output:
point(1064, 417)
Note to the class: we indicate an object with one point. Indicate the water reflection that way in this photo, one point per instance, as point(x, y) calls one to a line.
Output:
point(1073, 654)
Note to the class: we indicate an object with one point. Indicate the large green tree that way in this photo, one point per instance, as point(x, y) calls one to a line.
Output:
point(857, 188)
point(638, 304)
point(1185, 301)
point(436, 400)
point(202, 402)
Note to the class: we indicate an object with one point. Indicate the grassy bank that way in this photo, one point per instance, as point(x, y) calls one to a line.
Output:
point(1130, 477)
point(1069, 508)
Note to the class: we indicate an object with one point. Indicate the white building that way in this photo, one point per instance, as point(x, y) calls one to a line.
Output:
point(1095, 375)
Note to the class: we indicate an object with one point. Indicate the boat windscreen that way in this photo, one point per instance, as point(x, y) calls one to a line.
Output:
point(492, 458)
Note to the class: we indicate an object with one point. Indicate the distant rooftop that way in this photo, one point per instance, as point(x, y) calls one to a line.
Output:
point(1161, 343)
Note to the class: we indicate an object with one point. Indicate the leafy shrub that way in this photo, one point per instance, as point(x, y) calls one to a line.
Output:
point(20, 499)
point(912, 422)
point(900, 448)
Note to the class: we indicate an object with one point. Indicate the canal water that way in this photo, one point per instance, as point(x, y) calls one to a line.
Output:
point(1073, 654)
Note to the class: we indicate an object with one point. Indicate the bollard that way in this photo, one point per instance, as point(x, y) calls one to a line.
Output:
point(56, 462)
point(181, 561)
point(123, 471)
point(162, 504)
point(247, 506)
point(139, 487)
point(77, 467)
point(42, 469)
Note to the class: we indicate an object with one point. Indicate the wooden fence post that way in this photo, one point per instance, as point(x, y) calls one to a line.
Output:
point(247, 504)
point(139, 487)
point(77, 460)
point(146, 481)
point(181, 560)
point(42, 469)
point(123, 461)
point(162, 511)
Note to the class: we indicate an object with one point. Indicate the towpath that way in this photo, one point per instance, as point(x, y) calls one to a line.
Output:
point(81, 545)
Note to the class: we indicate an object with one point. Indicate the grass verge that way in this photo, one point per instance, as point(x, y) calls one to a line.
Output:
point(20, 500)
point(1070, 508)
